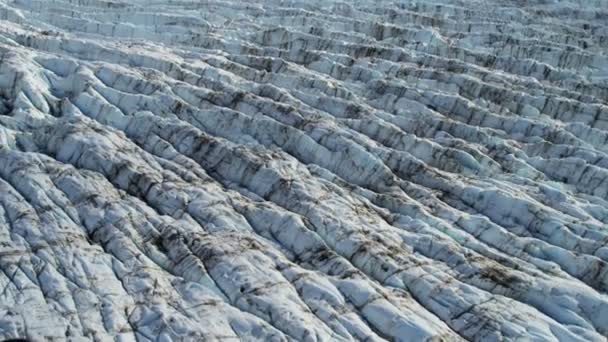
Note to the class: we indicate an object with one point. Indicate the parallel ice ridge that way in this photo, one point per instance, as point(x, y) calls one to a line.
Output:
point(304, 170)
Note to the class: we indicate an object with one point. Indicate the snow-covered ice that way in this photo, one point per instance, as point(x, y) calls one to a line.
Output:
point(321, 170)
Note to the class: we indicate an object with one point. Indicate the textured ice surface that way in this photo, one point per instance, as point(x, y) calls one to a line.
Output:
point(304, 170)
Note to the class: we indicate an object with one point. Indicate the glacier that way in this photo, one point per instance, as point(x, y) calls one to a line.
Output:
point(288, 170)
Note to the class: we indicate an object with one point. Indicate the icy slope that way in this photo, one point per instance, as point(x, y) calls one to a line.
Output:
point(304, 170)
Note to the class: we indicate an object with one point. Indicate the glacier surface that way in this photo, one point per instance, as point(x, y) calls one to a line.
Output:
point(304, 170)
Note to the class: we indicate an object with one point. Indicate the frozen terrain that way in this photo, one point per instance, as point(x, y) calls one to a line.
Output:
point(304, 170)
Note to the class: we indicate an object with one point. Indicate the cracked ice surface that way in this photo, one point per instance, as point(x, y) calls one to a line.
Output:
point(304, 170)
